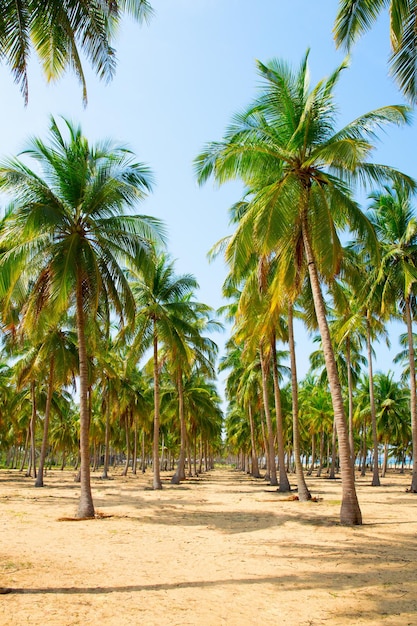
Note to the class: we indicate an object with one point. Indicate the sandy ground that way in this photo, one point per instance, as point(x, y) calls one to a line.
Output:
point(223, 549)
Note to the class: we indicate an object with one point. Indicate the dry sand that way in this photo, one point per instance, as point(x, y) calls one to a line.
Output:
point(223, 549)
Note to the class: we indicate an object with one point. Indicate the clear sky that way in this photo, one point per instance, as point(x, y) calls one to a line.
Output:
point(179, 81)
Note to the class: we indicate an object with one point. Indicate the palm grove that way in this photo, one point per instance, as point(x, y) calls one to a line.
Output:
point(89, 293)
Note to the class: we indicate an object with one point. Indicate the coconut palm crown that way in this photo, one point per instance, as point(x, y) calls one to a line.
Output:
point(354, 17)
point(60, 32)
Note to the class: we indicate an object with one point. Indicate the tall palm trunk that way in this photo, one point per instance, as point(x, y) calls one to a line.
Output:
point(350, 513)
point(364, 450)
point(85, 505)
point(39, 479)
point(33, 431)
point(332, 473)
point(135, 446)
point(266, 447)
point(284, 483)
point(385, 461)
point(413, 402)
point(105, 473)
point(156, 465)
point(375, 475)
point(143, 468)
point(350, 396)
point(195, 455)
point(313, 454)
point(303, 491)
point(25, 453)
point(127, 440)
point(180, 473)
point(321, 453)
point(255, 464)
point(270, 433)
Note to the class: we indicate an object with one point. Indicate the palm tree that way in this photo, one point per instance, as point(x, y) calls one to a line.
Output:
point(66, 238)
point(392, 213)
point(317, 410)
point(393, 400)
point(348, 331)
point(58, 31)
point(162, 317)
point(354, 17)
point(205, 417)
point(299, 174)
point(367, 317)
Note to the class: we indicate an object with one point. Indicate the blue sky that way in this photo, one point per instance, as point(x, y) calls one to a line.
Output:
point(179, 81)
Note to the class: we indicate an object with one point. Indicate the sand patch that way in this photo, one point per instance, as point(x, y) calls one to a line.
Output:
point(223, 549)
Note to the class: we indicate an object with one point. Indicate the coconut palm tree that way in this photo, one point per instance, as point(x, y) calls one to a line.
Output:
point(59, 32)
point(161, 298)
point(395, 222)
point(354, 17)
point(349, 335)
point(317, 412)
point(204, 416)
point(299, 173)
point(393, 401)
point(66, 238)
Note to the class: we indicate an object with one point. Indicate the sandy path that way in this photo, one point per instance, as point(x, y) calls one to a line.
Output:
point(223, 549)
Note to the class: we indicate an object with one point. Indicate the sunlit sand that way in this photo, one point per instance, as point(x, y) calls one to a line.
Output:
point(221, 549)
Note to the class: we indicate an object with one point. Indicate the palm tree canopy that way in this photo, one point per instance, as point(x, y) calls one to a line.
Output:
point(286, 142)
point(393, 216)
point(67, 222)
point(354, 17)
point(58, 31)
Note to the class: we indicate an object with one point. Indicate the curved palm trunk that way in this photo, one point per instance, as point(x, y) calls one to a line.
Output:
point(284, 483)
point(350, 513)
point(156, 465)
point(39, 479)
point(25, 453)
point(85, 505)
point(303, 491)
point(255, 464)
point(180, 473)
point(271, 449)
point(375, 475)
point(413, 403)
